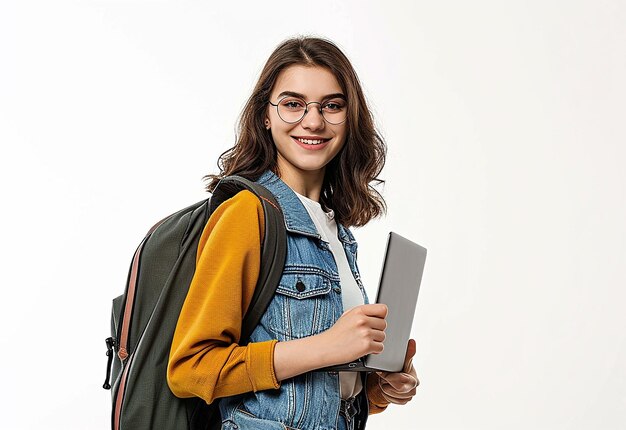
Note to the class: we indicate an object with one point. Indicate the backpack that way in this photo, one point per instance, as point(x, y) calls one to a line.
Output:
point(144, 318)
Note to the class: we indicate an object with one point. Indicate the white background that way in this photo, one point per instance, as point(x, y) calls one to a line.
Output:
point(505, 127)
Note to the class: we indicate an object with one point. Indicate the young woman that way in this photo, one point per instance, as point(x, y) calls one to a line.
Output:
point(307, 135)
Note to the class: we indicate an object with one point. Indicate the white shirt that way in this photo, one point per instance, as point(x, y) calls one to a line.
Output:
point(351, 295)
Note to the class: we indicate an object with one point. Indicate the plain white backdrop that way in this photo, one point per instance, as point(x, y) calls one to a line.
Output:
point(505, 123)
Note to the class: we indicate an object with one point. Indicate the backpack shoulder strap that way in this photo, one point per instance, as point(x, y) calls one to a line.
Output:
point(273, 248)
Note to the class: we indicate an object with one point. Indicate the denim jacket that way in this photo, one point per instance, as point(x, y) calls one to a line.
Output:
point(307, 302)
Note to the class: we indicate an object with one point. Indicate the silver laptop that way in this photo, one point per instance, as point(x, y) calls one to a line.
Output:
point(399, 285)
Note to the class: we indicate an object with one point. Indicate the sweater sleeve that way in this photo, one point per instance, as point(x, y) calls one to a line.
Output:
point(377, 403)
point(205, 358)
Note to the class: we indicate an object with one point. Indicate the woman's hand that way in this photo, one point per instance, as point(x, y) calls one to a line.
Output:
point(358, 332)
point(399, 387)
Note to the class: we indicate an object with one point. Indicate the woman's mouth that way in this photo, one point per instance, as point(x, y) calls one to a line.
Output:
point(311, 144)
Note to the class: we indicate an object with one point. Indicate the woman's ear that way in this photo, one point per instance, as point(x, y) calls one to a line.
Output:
point(267, 124)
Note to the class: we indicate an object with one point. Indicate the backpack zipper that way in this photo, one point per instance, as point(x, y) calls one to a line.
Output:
point(124, 327)
point(122, 352)
point(110, 341)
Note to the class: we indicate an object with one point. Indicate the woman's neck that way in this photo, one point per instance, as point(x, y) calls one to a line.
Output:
point(303, 182)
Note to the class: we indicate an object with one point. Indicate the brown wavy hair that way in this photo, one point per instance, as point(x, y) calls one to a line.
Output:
point(346, 188)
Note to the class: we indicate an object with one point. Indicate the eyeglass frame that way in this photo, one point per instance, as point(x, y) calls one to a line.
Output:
point(306, 110)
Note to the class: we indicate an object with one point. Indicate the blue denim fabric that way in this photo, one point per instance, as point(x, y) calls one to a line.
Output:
point(342, 424)
point(307, 302)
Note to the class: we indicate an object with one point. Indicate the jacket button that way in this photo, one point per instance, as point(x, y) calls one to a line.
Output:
point(337, 290)
point(300, 286)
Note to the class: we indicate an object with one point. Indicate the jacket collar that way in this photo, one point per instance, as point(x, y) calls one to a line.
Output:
point(297, 219)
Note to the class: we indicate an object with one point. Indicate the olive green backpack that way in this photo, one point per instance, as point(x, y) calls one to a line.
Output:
point(144, 318)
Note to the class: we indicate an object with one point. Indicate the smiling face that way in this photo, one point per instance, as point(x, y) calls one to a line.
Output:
point(298, 159)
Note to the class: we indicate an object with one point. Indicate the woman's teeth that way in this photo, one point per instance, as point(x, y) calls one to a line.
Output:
point(311, 142)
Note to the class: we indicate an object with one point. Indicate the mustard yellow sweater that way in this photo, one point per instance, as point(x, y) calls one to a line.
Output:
point(205, 358)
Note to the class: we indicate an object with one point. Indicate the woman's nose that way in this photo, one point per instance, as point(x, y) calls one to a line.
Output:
point(313, 119)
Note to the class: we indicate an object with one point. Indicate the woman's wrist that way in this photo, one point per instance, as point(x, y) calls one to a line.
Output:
point(298, 356)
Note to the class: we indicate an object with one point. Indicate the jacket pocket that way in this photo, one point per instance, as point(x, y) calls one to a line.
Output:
point(303, 285)
point(242, 419)
point(302, 306)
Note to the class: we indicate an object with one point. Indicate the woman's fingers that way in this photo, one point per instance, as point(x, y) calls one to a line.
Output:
point(400, 387)
point(400, 382)
point(397, 400)
point(394, 396)
point(377, 323)
point(378, 336)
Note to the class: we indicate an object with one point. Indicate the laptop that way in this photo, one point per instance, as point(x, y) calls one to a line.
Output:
point(398, 287)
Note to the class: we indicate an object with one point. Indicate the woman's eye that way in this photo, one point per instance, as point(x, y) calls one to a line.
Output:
point(293, 104)
point(332, 106)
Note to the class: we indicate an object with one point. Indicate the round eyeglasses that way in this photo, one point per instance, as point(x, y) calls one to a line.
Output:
point(293, 109)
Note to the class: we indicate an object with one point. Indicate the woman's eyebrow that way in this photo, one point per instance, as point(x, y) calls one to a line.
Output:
point(294, 94)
